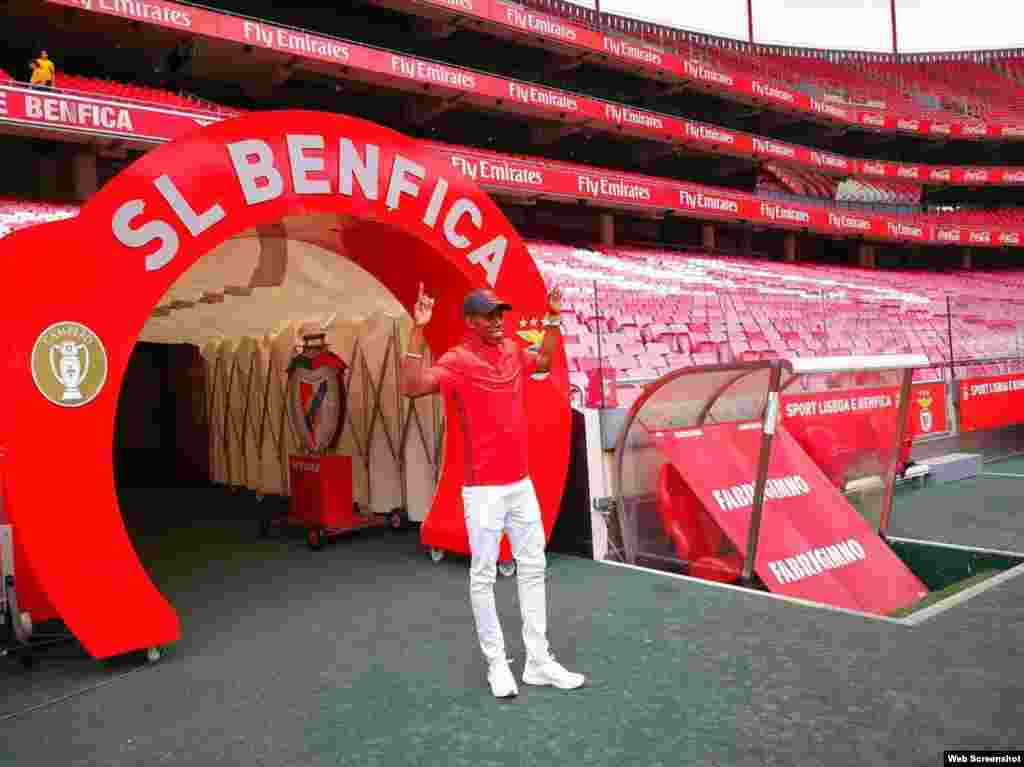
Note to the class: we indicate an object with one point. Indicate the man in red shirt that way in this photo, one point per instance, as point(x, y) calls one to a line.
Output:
point(485, 376)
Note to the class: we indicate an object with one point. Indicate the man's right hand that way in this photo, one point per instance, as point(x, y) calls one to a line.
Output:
point(416, 378)
point(424, 308)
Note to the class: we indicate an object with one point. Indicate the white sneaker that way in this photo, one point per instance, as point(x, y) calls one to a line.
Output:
point(503, 684)
point(552, 673)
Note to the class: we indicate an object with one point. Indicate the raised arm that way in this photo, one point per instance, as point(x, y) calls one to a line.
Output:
point(418, 379)
point(552, 333)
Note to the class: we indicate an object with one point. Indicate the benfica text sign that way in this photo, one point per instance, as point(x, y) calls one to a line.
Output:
point(97, 115)
point(812, 543)
point(836, 426)
point(991, 402)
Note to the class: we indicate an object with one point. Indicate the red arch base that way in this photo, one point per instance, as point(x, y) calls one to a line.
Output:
point(412, 219)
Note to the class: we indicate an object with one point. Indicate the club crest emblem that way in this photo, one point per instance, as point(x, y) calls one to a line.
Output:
point(69, 364)
point(316, 399)
point(531, 331)
point(924, 401)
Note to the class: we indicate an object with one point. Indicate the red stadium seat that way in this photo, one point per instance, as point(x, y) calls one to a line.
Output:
point(698, 541)
point(96, 86)
point(745, 320)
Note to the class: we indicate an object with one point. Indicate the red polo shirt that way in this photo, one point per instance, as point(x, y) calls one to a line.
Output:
point(487, 384)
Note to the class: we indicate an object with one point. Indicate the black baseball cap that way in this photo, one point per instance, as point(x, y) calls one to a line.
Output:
point(483, 301)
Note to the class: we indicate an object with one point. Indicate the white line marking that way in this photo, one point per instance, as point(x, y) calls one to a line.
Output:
point(997, 474)
point(768, 594)
point(950, 602)
point(914, 619)
point(943, 544)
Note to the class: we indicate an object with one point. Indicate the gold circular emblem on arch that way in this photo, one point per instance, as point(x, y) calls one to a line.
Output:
point(69, 364)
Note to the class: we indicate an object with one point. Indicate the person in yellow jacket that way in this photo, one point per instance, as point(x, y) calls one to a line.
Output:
point(43, 70)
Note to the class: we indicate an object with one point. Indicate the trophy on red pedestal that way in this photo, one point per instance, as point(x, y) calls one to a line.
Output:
point(316, 393)
point(321, 482)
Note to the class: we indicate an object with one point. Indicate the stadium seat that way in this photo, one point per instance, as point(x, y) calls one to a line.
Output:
point(745, 316)
point(19, 214)
point(960, 86)
point(697, 539)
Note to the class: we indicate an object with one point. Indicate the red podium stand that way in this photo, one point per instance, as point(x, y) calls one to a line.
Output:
point(321, 490)
point(321, 499)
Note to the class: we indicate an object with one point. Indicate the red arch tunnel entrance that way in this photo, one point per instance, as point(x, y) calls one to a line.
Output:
point(95, 280)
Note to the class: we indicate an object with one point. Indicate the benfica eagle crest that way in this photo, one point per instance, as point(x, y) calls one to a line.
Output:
point(316, 399)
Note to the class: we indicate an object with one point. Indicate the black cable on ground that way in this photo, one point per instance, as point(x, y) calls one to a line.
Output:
point(68, 696)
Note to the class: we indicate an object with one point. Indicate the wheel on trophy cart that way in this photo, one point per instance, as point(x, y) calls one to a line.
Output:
point(398, 519)
point(436, 555)
point(315, 538)
point(153, 654)
point(507, 569)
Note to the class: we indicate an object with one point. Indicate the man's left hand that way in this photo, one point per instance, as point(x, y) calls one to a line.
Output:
point(555, 300)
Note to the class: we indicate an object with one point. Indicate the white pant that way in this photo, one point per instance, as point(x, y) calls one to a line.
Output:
point(514, 509)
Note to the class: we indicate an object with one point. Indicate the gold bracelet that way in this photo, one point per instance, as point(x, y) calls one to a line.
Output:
point(414, 356)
